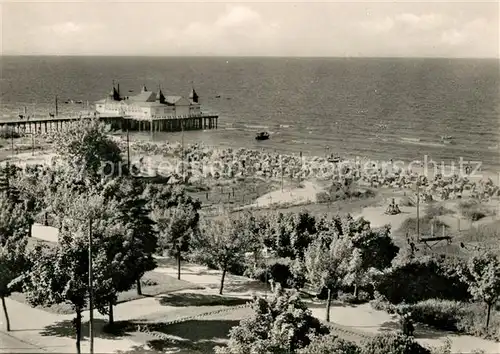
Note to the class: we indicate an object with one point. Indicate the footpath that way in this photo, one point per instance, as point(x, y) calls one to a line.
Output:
point(37, 331)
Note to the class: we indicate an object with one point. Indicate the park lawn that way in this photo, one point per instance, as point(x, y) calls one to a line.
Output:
point(199, 335)
point(235, 192)
point(153, 284)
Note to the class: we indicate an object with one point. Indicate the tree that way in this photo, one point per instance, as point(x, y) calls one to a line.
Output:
point(30, 192)
point(175, 227)
point(483, 278)
point(142, 239)
point(289, 235)
point(13, 241)
point(222, 242)
point(85, 146)
point(282, 324)
point(328, 266)
point(377, 249)
point(60, 275)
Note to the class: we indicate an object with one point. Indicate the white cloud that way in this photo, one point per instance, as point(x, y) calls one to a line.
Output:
point(237, 16)
point(422, 22)
point(69, 28)
point(452, 37)
point(238, 31)
point(65, 28)
point(378, 26)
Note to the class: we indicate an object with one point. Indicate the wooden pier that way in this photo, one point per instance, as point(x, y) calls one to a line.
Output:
point(156, 124)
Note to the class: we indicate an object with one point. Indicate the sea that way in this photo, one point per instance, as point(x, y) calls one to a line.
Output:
point(377, 108)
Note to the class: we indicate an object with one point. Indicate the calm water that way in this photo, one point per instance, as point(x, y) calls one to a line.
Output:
point(382, 108)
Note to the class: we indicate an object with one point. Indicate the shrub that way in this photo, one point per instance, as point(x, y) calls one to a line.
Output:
point(393, 344)
point(420, 279)
point(6, 133)
point(381, 303)
point(434, 209)
point(456, 316)
point(349, 298)
point(441, 314)
point(282, 324)
point(473, 318)
point(409, 226)
point(330, 344)
point(323, 197)
point(474, 210)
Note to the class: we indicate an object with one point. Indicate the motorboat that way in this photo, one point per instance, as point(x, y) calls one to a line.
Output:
point(446, 139)
point(262, 136)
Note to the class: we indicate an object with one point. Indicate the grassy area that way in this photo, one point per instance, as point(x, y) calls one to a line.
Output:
point(427, 224)
point(201, 335)
point(474, 210)
point(235, 193)
point(153, 284)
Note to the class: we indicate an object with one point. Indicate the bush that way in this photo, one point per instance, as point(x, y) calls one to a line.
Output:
point(8, 133)
point(433, 210)
point(474, 210)
point(409, 226)
point(456, 316)
point(330, 344)
point(349, 298)
point(441, 314)
point(381, 303)
point(416, 280)
point(282, 324)
point(393, 344)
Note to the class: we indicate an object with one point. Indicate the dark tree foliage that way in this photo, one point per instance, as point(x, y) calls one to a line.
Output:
point(134, 215)
point(420, 279)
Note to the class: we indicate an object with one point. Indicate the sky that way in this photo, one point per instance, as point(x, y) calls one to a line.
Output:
point(303, 29)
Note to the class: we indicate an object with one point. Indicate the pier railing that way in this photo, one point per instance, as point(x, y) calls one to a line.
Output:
point(154, 123)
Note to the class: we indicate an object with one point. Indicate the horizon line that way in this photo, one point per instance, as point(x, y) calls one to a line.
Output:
point(242, 56)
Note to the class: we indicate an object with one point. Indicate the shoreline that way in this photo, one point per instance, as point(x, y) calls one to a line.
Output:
point(204, 161)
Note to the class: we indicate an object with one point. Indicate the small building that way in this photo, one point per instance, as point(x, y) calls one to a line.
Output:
point(149, 105)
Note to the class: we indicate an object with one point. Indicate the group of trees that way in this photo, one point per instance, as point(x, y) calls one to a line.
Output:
point(126, 219)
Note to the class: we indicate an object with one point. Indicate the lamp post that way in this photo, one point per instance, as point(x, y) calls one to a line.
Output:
point(182, 146)
point(418, 210)
point(266, 256)
point(91, 292)
point(127, 123)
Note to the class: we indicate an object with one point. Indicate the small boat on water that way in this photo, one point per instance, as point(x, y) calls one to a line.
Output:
point(446, 139)
point(262, 136)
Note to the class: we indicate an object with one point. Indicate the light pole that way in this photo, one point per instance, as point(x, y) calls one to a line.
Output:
point(265, 254)
point(418, 210)
point(91, 291)
point(127, 123)
point(182, 146)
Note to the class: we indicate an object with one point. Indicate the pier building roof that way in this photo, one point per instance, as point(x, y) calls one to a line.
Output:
point(150, 98)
